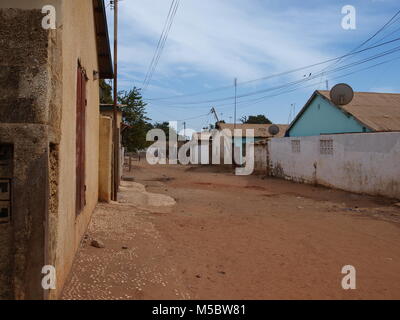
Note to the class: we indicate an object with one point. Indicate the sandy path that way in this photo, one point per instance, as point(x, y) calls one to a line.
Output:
point(231, 237)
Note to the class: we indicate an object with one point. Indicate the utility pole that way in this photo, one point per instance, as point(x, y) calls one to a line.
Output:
point(292, 112)
point(327, 84)
point(115, 108)
point(234, 127)
point(184, 130)
point(234, 120)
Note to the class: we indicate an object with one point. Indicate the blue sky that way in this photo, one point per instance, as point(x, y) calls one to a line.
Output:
point(213, 41)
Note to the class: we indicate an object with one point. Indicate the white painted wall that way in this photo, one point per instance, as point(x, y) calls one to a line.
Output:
point(363, 163)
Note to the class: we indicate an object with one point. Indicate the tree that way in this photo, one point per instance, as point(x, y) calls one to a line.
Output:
point(134, 115)
point(105, 93)
point(164, 126)
point(259, 119)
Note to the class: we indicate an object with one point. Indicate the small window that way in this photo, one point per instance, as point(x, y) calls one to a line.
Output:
point(6, 173)
point(6, 156)
point(5, 212)
point(5, 190)
point(326, 147)
point(295, 146)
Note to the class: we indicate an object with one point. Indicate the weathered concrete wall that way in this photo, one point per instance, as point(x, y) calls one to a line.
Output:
point(29, 120)
point(29, 4)
point(105, 159)
point(78, 42)
point(110, 113)
point(38, 85)
point(363, 163)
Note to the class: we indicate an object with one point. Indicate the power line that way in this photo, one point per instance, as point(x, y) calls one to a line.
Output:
point(389, 34)
point(298, 84)
point(161, 42)
point(259, 100)
point(369, 39)
point(167, 33)
point(311, 77)
point(195, 117)
point(278, 74)
point(160, 45)
point(181, 120)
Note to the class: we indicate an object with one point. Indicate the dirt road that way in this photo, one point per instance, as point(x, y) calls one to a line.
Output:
point(230, 237)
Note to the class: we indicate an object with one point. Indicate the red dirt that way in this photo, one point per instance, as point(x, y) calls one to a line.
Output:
point(231, 237)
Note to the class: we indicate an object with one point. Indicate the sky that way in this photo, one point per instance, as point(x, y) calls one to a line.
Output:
point(212, 42)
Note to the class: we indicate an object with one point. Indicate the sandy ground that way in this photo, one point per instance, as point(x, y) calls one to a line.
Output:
point(202, 233)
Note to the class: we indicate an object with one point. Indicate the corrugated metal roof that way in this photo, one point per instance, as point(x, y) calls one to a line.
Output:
point(260, 130)
point(378, 111)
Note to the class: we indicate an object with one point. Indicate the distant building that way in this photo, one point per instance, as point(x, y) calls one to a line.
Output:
point(368, 112)
point(261, 132)
point(202, 153)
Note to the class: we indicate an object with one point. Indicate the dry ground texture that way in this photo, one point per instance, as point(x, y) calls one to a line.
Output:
point(203, 233)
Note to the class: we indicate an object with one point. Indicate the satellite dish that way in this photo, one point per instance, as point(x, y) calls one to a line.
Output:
point(273, 130)
point(341, 94)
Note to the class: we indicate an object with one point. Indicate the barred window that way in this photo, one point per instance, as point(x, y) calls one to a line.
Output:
point(295, 146)
point(326, 147)
point(5, 200)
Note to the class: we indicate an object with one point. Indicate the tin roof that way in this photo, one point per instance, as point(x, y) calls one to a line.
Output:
point(260, 130)
point(378, 111)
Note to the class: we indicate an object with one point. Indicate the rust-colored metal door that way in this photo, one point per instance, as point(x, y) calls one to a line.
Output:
point(80, 139)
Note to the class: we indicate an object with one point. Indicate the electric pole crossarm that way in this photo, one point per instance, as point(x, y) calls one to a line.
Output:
point(213, 111)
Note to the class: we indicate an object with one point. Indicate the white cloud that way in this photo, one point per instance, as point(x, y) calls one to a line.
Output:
point(213, 41)
point(225, 38)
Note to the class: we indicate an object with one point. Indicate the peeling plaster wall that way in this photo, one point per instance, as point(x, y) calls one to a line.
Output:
point(38, 116)
point(363, 163)
point(29, 120)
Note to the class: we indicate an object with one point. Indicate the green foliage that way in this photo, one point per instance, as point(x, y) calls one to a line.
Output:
point(105, 93)
point(134, 115)
point(164, 126)
point(259, 119)
point(210, 127)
